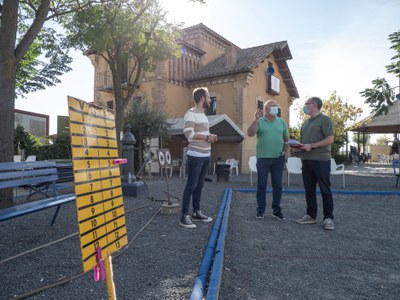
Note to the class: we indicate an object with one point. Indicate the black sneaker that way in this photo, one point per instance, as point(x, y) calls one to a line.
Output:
point(199, 216)
point(186, 222)
point(260, 216)
point(279, 216)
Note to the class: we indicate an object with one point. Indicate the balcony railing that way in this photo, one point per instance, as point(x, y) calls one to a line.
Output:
point(103, 80)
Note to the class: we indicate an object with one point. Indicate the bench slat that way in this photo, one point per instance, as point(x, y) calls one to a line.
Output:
point(30, 207)
point(12, 166)
point(28, 181)
point(27, 173)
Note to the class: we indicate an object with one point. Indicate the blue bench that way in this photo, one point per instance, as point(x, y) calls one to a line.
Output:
point(38, 177)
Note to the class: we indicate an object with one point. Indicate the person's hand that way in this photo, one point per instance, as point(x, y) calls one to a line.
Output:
point(212, 138)
point(258, 114)
point(306, 147)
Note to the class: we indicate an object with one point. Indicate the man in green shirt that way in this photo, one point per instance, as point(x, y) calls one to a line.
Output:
point(317, 136)
point(272, 133)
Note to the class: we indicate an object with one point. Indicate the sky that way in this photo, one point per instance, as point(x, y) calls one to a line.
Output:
point(339, 45)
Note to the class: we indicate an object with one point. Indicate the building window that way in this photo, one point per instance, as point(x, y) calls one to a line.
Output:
point(212, 110)
point(272, 81)
point(110, 104)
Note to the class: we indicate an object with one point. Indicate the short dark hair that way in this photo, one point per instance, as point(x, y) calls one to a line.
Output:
point(198, 93)
point(317, 101)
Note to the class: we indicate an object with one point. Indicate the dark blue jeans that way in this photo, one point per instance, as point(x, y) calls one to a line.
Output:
point(197, 169)
point(317, 171)
point(275, 167)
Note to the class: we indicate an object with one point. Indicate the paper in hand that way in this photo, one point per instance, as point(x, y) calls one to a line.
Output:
point(294, 143)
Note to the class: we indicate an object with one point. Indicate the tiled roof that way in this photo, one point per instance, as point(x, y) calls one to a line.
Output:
point(203, 28)
point(247, 59)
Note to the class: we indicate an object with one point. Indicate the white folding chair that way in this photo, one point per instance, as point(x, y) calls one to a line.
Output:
point(396, 169)
point(175, 163)
point(182, 171)
point(234, 166)
point(338, 170)
point(293, 166)
point(31, 158)
point(252, 167)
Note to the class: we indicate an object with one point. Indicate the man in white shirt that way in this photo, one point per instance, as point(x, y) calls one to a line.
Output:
point(197, 132)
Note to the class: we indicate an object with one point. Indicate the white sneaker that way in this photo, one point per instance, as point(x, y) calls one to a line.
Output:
point(328, 224)
point(199, 216)
point(306, 220)
point(187, 222)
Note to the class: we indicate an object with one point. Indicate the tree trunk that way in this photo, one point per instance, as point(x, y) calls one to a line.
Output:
point(7, 100)
point(8, 69)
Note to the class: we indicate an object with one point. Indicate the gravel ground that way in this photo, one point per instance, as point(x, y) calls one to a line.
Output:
point(264, 259)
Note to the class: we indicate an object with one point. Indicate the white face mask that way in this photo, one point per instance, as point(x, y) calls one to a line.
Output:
point(274, 110)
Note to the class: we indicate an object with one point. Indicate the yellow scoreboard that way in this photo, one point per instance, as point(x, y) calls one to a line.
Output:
point(99, 200)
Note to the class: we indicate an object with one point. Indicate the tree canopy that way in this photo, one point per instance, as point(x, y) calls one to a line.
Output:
point(381, 96)
point(132, 36)
point(30, 59)
point(394, 67)
point(146, 122)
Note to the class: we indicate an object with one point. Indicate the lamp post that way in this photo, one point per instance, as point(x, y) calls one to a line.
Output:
point(130, 185)
point(128, 141)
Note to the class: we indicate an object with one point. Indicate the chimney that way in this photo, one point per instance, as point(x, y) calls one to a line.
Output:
point(231, 53)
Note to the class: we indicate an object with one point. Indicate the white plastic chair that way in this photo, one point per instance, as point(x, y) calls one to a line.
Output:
point(338, 170)
point(31, 158)
point(175, 163)
point(17, 158)
point(293, 166)
point(396, 169)
point(182, 171)
point(252, 167)
point(234, 166)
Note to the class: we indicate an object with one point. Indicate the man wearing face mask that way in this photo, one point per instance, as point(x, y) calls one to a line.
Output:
point(317, 136)
point(272, 133)
point(197, 133)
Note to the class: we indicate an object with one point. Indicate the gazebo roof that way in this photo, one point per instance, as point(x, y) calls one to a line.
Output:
point(389, 123)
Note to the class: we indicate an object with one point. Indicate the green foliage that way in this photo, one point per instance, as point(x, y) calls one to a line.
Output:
point(382, 140)
point(394, 67)
point(45, 61)
point(294, 133)
point(363, 137)
point(60, 148)
point(146, 122)
point(125, 33)
point(340, 158)
point(380, 97)
point(342, 115)
point(52, 148)
point(26, 141)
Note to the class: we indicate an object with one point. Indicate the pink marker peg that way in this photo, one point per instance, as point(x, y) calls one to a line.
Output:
point(120, 161)
point(99, 267)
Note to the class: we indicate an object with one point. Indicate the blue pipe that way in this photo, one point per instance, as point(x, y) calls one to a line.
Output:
point(216, 274)
point(200, 282)
point(355, 192)
point(216, 244)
